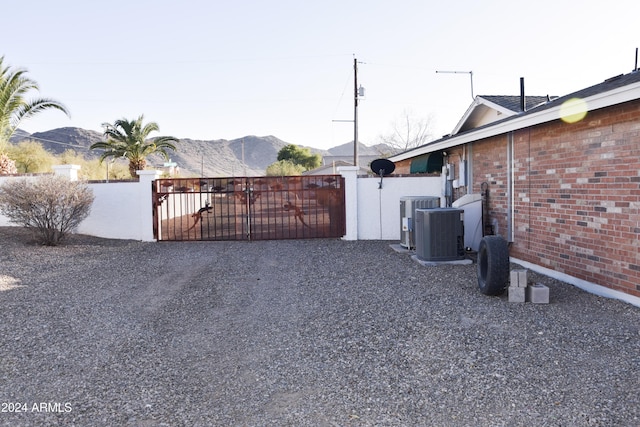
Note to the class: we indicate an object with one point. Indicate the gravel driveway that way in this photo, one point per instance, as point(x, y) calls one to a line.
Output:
point(297, 333)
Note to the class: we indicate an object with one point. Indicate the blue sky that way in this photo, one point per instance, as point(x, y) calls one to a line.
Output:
point(226, 69)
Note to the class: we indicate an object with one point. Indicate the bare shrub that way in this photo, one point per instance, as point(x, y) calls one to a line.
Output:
point(51, 205)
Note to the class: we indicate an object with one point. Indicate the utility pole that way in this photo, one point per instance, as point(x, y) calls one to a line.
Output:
point(244, 165)
point(355, 111)
point(357, 92)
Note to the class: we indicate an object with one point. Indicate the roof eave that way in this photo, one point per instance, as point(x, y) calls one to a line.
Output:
point(479, 100)
point(600, 100)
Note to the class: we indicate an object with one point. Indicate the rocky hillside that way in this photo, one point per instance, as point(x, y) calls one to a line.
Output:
point(363, 150)
point(219, 157)
point(225, 158)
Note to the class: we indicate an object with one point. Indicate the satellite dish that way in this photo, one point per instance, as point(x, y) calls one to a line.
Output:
point(382, 167)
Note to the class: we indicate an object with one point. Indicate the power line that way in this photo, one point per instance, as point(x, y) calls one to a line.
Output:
point(54, 142)
point(192, 61)
point(346, 83)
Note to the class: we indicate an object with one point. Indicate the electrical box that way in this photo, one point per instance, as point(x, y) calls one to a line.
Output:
point(462, 179)
point(451, 172)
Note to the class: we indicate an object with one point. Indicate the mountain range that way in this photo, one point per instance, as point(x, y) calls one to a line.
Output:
point(246, 156)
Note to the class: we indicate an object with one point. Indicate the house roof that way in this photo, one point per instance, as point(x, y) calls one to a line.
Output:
point(613, 91)
point(490, 108)
point(512, 102)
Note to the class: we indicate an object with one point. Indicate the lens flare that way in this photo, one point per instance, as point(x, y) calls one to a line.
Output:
point(573, 110)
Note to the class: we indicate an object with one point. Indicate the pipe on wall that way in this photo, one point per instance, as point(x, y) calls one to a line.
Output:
point(510, 188)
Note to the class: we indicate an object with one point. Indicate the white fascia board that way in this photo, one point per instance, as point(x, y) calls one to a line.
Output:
point(478, 101)
point(600, 100)
point(466, 115)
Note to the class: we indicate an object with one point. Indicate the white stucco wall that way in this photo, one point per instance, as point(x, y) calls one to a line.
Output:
point(123, 210)
point(373, 213)
point(120, 210)
point(115, 211)
point(379, 209)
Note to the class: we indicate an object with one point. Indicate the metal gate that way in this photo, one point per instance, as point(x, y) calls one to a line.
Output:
point(249, 208)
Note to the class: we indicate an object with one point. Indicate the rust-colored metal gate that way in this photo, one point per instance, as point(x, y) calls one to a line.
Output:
point(249, 208)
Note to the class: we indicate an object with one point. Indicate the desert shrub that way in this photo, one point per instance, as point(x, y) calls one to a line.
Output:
point(51, 205)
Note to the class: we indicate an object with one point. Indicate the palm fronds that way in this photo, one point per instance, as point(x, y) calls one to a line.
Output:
point(14, 106)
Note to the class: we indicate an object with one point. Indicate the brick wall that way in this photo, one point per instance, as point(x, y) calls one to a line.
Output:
point(403, 167)
point(576, 195)
point(489, 165)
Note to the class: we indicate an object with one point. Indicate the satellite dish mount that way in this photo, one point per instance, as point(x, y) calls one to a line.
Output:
point(382, 167)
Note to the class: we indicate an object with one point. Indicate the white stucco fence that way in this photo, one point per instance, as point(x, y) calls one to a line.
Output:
point(373, 213)
point(123, 210)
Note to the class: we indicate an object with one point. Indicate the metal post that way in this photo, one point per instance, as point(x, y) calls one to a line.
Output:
point(355, 112)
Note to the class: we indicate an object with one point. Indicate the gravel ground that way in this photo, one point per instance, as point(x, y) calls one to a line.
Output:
point(105, 332)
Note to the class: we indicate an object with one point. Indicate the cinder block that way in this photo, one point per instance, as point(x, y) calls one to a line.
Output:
point(538, 293)
point(518, 278)
point(517, 294)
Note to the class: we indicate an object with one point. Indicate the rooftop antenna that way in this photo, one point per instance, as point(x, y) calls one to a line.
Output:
point(461, 72)
point(636, 67)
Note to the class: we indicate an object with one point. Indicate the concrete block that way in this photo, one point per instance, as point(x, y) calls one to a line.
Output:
point(538, 293)
point(517, 294)
point(518, 278)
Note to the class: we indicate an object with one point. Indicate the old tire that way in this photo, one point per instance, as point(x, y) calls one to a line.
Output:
point(493, 265)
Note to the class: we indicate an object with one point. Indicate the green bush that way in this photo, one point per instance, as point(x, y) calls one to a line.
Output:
point(51, 205)
point(284, 168)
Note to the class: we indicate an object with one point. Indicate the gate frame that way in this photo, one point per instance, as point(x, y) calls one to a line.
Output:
point(249, 208)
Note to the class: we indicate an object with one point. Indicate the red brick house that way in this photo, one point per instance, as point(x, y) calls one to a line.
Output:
point(563, 180)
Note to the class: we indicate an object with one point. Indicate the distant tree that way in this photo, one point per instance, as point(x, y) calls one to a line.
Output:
point(93, 169)
point(130, 139)
point(407, 132)
point(14, 106)
point(31, 157)
point(300, 156)
point(284, 168)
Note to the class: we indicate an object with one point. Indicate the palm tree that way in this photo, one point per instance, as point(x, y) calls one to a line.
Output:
point(130, 139)
point(14, 107)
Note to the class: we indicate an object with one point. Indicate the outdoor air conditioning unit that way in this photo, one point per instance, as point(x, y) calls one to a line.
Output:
point(439, 234)
point(408, 206)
